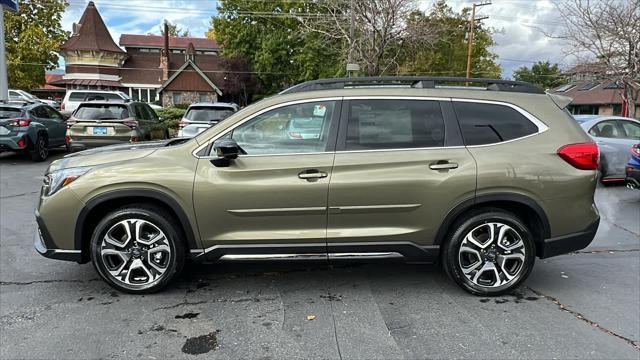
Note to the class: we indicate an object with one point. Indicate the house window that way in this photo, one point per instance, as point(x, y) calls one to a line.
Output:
point(152, 95)
point(177, 98)
point(177, 51)
point(203, 97)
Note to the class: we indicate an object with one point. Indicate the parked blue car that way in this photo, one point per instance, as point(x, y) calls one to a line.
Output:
point(32, 128)
point(633, 168)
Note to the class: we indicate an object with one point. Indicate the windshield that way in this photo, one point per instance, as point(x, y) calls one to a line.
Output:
point(9, 113)
point(27, 95)
point(102, 112)
point(208, 113)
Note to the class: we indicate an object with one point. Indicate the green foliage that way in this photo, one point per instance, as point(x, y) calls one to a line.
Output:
point(448, 56)
point(277, 49)
point(31, 37)
point(542, 74)
point(171, 115)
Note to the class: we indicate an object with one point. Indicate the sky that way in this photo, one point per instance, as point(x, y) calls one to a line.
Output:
point(520, 24)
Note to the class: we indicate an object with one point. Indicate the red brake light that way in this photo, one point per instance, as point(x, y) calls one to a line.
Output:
point(62, 106)
point(20, 122)
point(584, 156)
point(131, 123)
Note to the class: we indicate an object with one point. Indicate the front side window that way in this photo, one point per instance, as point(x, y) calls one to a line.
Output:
point(605, 129)
point(483, 123)
point(632, 129)
point(291, 129)
point(394, 124)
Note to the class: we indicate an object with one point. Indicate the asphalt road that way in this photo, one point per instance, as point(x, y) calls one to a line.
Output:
point(582, 305)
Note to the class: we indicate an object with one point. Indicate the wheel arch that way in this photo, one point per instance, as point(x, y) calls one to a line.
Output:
point(526, 208)
point(99, 205)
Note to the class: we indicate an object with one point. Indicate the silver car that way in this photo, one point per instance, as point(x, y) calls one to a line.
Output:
point(614, 135)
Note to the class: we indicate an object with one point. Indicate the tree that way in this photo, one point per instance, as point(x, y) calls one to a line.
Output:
point(542, 74)
point(237, 80)
point(174, 30)
point(32, 35)
point(447, 56)
point(370, 33)
point(607, 31)
point(267, 34)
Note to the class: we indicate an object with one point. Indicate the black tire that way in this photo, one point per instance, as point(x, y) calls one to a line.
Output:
point(40, 148)
point(147, 214)
point(452, 258)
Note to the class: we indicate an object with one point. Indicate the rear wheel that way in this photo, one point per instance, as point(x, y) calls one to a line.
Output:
point(40, 148)
point(490, 252)
point(137, 249)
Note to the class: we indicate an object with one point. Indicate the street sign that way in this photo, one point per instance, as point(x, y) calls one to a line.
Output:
point(11, 5)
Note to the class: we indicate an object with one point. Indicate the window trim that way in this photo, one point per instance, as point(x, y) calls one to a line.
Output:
point(209, 142)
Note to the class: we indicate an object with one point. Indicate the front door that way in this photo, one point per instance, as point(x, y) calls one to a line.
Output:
point(400, 167)
point(274, 198)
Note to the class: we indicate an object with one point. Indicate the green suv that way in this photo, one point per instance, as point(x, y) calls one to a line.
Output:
point(483, 178)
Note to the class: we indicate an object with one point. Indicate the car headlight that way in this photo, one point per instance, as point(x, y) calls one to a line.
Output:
point(60, 178)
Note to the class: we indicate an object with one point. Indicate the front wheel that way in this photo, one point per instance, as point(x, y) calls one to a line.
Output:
point(137, 249)
point(490, 252)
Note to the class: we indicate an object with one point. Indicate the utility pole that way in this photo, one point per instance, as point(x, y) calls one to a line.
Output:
point(351, 67)
point(472, 25)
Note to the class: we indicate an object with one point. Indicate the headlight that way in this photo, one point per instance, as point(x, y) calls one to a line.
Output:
point(61, 178)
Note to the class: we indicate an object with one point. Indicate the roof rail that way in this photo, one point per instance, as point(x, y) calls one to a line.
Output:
point(419, 82)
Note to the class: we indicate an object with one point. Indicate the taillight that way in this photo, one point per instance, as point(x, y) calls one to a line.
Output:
point(183, 123)
point(21, 143)
point(295, 135)
point(584, 156)
point(135, 139)
point(20, 122)
point(131, 123)
point(635, 149)
point(62, 106)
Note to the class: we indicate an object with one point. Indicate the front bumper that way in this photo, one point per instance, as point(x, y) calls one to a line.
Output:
point(44, 244)
point(570, 242)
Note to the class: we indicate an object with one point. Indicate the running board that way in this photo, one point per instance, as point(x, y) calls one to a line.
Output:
point(319, 251)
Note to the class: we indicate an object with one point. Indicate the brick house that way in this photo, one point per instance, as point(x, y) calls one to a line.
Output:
point(147, 67)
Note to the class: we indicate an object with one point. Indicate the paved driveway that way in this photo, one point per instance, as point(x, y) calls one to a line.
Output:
point(582, 305)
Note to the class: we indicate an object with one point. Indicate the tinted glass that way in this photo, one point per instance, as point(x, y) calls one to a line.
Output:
point(77, 96)
point(9, 113)
point(270, 133)
point(101, 112)
point(606, 129)
point(491, 123)
point(394, 124)
point(632, 129)
point(39, 112)
point(208, 113)
point(51, 114)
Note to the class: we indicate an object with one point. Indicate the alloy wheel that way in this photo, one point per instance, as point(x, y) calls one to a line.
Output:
point(492, 255)
point(135, 253)
point(42, 149)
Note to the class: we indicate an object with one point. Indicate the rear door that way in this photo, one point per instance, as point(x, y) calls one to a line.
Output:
point(274, 198)
point(399, 169)
point(614, 147)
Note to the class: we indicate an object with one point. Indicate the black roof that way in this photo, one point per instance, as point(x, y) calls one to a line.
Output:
point(420, 82)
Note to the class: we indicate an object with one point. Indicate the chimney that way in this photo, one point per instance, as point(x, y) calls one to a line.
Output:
point(164, 54)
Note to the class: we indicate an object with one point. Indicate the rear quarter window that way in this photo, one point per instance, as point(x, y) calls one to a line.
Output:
point(483, 123)
point(77, 96)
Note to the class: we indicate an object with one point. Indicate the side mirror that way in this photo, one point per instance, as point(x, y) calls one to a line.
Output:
point(226, 150)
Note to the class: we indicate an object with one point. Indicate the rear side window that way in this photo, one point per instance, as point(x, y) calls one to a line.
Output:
point(606, 129)
point(632, 129)
point(102, 112)
point(9, 113)
point(394, 124)
point(491, 123)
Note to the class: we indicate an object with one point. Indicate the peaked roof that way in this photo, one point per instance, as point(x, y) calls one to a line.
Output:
point(197, 69)
point(175, 42)
point(91, 33)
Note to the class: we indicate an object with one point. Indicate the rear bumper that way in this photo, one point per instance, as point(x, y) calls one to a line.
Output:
point(45, 246)
point(633, 177)
point(10, 143)
point(570, 242)
point(87, 144)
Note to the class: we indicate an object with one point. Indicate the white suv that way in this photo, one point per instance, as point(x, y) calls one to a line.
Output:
point(73, 98)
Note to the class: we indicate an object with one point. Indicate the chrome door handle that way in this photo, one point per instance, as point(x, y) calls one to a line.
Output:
point(312, 174)
point(443, 166)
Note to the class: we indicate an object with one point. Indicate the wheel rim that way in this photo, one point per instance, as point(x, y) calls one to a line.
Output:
point(492, 255)
point(42, 147)
point(135, 253)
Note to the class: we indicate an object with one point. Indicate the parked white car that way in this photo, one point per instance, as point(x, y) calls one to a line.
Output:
point(73, 98)
point(21, 95)
point(201, 116)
